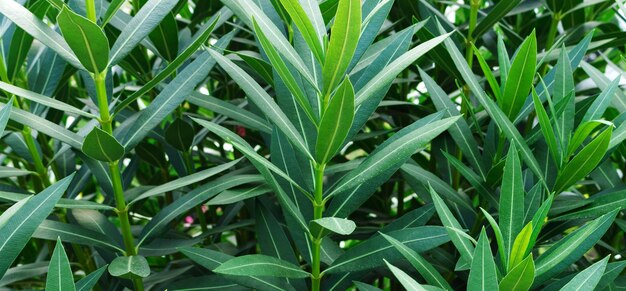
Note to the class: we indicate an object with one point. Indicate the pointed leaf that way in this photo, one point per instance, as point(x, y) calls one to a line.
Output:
point(86, 40)
point(482, 274)
point(336, 122)
point(511, 211)
point(521, 277)
point(260, 265)
point(588, 278)
point(520, 77)
point(102, 146)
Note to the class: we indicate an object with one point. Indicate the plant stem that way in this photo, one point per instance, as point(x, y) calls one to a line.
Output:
point(116, 176)
point(551, 36)
point(90, 6)
point(318, 211)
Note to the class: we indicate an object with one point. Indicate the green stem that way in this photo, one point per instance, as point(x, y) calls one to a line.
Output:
point(41, 170)
point(318, 211)
point(90, 6)
point(116, 176)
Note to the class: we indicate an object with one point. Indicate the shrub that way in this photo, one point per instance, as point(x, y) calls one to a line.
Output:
point(303, 144)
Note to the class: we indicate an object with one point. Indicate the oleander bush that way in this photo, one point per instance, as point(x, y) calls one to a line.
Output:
point(312, 145)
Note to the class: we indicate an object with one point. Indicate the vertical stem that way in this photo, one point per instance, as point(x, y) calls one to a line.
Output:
point(116, 176)
point(318, 210)
point(42, 171)
point(90, 6)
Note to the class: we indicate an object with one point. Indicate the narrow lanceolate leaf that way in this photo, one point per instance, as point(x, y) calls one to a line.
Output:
point(44, 100)
point(86, 39)
point(498, 12)
point(60, 276)
point(401, 147)
point(233, 196)
point(482, 274)
point(521, 277)
point(344, 38)
point(260, 265)
point(303, 23)
point(588, 278)
point(24, 221)
point(498, 233)
point(129, 267)
point(546, 129)
point(520, 245)
point(572, 247)
point(462, 244)
point(584, 162)
point(138, 28)
point(337, 225)
point(171, 96)
point(404, 278)
point(389, 73)
point(39, 30)
point(87, 283)
point(420, 264)
point(102, 146)
point(5, 114)
point(263, 100)
point(511, 211)
point(283, 71)
point(602, 102)
point(520, 78)
point(370, 253)
point(336, 122)
point(239, 114)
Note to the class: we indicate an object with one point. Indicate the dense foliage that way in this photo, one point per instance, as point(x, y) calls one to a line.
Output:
point(312, 145)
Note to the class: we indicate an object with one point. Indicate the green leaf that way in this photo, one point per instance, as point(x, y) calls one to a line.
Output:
point(403, 144)
point(283, 71)
point(584, 162)
point(583, 131)
point(404, 279)
point(572, 247)
point(588, 278)
point(340, 226)
point(60, 277)
point(370, 253)
point(547, 130)
point(71, 233)
point(482, 274)
point(172, 66)
point(129, 267)
point(165, 37)
point(511, 211)
point(303, 23)
point(44, 100)
point(260, 265)
point(260, 97)
point(179, 134)
point(336, 122)
point(114, 6)
point(520, 245)
point(23, 222)
point(236, 195)
point(102, 146)
point(86, 40)
point(63, 202)
point(491, 79)
point(425, 269)
point(520, 78)
point(5, 114)
point(463, 245)
point(521, 277)
point(247, 118)
point(87, 283)
point(500, 241)
point(47, 127)
point(499, 11)
point(139, 27)
point(39, 30)
point(344, 38)
point(602, 102)
point(600, 204)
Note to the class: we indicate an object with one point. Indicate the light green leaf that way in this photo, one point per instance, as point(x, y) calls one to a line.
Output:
point(521, 277)
point(520, 78)
point(344, 38)
point(86, 39)
point(260, 265)
point(520, 245)
point(482, 274)
point(547, 130)
point(500, 241)
point(233, 196)
point(303, 23)
point(602, 102)
point(129, 267)
point(247, 118)
point(336, 122)
point(463, 245)
point(87, 283)
point(102, 146)
point(583, 131)
point(23, 222)
point(588, 278)
point(60, 277)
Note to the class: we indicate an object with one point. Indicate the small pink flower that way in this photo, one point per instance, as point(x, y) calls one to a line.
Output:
point(189, 219)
